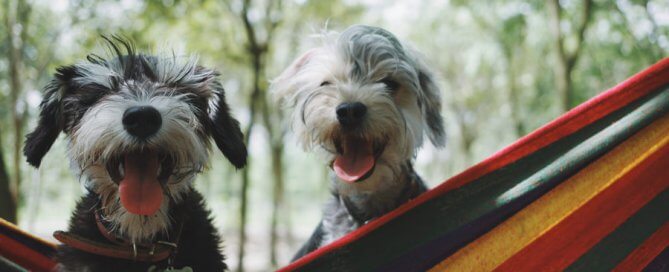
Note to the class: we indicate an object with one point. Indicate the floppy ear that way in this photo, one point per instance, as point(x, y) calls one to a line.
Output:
point(225, 130)
point(431, 104)
point(283, 87)
point(49, 125)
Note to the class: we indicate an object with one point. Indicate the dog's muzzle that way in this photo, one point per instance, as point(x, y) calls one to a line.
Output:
point(141, 176)
point(141, 173)
point(356, 156)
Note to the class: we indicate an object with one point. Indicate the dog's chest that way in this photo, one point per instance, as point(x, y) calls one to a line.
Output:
point(337, 222)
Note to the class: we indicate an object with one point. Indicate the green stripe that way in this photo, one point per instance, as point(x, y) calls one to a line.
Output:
point(9, 266)
point(613, 249)
point(499, 198)
point(452, 212)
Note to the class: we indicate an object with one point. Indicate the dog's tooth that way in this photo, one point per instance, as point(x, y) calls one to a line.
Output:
point(121, 170)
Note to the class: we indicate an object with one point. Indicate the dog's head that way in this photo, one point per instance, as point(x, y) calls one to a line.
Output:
point(364, 98)
point(138, 128)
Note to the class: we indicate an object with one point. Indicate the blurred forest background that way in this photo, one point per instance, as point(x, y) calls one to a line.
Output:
point(507, 67)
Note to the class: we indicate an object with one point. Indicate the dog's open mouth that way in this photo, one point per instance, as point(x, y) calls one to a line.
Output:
point(141, 176)
point(356, 159)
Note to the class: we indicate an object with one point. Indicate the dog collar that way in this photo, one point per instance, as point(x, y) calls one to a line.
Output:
point(120, 248)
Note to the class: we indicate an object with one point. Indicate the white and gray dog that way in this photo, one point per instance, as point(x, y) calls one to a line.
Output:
point(365, 100)
point(139, 129)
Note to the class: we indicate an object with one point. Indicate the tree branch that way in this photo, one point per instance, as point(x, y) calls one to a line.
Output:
point(554, 24)
point(580, 33)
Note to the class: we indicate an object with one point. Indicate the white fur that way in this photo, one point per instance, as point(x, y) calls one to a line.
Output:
point(396, 118)
point(355, 63)
point(100, 136)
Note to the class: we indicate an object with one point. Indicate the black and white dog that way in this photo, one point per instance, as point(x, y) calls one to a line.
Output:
point(365, 100)
point(138, 129)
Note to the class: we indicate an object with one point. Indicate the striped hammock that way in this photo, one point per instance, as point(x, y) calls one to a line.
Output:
point(21, 251)
point(586, 192)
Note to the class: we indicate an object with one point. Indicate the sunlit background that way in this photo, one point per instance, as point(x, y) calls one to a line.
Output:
point(506, 68)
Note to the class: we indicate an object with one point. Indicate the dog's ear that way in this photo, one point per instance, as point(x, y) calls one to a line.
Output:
point(225, 129)
point(50, 122)
point(430, 101)
point(283, 87)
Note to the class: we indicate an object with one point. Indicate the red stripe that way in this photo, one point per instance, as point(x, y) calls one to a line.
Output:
point(646, 252)
point(24, 255)
point(605, 103)
point(585, 114)
point(576, 234)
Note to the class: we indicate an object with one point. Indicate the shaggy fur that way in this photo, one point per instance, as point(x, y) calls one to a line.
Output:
point(87, 102)
point(369, 66)
point(198, 245)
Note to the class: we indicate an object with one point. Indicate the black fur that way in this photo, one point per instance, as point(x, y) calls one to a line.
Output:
point(66, 101)
point(348, 214)
point(227, 134)
point(48, 128)
point(432, 109)
point(70, 95)
point(312, 244)
point(198, 246)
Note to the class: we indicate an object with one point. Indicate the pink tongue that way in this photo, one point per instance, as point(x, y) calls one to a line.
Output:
point(140, 189)
point(356, 161)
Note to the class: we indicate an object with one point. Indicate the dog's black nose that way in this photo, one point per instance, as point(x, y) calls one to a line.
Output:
point(351, 114)
point(142, 121)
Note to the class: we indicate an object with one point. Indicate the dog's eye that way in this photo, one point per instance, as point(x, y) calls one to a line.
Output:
point(391, 85)
point(325, 83)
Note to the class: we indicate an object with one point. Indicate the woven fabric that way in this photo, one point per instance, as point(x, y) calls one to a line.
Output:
point(471, 207)
point(24, 249)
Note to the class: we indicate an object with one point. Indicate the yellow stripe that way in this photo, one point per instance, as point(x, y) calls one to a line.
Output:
point(508, 238)
point(15, 228)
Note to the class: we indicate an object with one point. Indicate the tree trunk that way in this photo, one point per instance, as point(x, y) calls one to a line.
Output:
point(277, 198)
point(566, 60)
point(35, 198)
point(272, 121)
point(246, 180)
point(562, 81)
point(257, 51)
point(15, 21)
point(257, 95)
point(243, 215)
point(7, 201)
point(467, 135)
point(514, 93)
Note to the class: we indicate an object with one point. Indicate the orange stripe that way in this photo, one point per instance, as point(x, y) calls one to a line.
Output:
point(646, 252)
point(577, 233)
point(16, 229)
point(511, 236)
point(24, 256)
point(594, 109)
